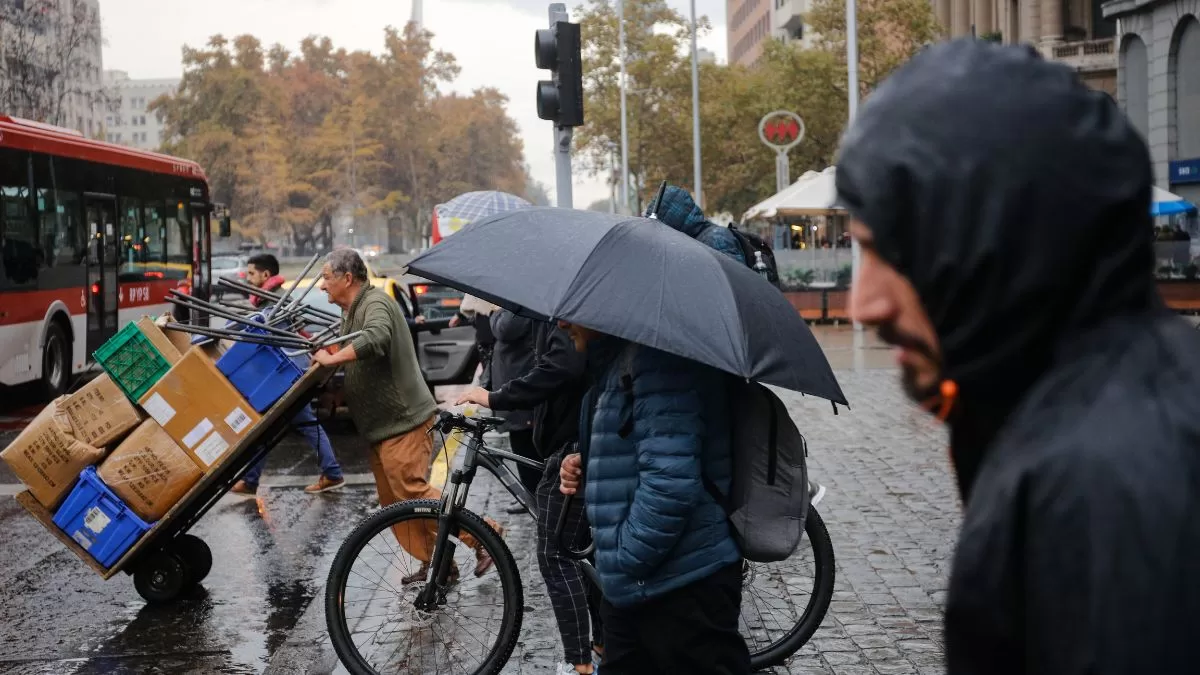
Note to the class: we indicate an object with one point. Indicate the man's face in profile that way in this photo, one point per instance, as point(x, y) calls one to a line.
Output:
point(884, 298)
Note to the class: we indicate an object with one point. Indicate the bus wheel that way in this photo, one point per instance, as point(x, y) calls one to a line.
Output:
point(56, 362)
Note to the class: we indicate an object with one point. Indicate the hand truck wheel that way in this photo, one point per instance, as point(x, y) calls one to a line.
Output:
point(162, 577)
point(195, 554)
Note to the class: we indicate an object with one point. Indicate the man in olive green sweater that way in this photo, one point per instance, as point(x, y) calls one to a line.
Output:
point(389, 401)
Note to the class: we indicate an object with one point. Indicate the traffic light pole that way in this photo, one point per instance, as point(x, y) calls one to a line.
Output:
point(562, 166)
point(562, 134)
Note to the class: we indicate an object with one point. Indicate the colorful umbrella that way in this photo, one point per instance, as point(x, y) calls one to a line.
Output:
point(449, 218)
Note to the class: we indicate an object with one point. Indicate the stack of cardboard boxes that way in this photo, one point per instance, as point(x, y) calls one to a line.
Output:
point(150, 452)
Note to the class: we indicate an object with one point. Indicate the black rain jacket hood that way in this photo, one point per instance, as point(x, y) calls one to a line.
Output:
point(1017, 202)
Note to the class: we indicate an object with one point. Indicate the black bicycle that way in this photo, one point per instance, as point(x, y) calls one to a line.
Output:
point(387, 613)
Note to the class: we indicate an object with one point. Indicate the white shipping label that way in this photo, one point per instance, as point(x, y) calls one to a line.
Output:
point(157, 407)
point(212, 449)
point(198, 432)
point(96, 520)
point(237, 420)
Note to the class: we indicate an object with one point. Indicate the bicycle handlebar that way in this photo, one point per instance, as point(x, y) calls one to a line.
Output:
point(448, 422)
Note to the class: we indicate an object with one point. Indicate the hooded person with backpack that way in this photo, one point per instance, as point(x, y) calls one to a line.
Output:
point(675, 207)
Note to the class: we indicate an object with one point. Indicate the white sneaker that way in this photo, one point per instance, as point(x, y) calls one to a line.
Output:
point(565, 669)
point(816, 492)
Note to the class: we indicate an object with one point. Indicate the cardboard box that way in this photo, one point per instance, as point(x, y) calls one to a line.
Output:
point(159, 339)
point(149, 471)
point(99, 413)
point(47, 458)
point(200, 409)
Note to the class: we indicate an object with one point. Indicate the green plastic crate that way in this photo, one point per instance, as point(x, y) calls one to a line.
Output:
point(132, 361)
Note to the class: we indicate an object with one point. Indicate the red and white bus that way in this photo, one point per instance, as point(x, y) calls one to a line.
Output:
point(92, 236)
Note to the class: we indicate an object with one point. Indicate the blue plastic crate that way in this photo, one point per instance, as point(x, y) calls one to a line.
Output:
point(98, 520)
point(261, 373)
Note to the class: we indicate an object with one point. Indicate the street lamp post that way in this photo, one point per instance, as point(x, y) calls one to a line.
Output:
point(852, 96)
point(624, 126)
point(696, 112)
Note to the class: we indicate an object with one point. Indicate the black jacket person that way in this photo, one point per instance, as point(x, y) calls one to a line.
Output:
point(1010, 204)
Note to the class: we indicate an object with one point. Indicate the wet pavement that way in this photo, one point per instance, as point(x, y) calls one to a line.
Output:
point(891, 511)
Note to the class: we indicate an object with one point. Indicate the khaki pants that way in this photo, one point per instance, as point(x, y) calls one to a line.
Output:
point(401, 467)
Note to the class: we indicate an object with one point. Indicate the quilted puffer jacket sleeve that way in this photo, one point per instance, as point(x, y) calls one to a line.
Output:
point(668, 422)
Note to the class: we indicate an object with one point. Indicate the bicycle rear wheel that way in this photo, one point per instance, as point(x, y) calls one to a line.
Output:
point(373, 617)
point(783, 603)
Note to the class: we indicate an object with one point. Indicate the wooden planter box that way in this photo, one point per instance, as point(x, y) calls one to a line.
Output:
point(833, 304)
point(823, 304)
point(1180, 295)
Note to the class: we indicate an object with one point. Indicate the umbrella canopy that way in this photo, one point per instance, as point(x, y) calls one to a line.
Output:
point(639, 280)
point(1163, 203)
point(450, 217)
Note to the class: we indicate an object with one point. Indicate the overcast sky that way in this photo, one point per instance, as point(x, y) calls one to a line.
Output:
point(492, 40)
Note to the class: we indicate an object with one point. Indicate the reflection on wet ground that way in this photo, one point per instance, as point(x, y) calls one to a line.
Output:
point(271, 557)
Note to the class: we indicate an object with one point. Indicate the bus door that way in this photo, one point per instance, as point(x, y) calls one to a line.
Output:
point(102, 261)
point(203, 239)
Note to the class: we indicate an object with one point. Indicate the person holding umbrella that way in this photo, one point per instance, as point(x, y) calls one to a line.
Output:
point(669, 316)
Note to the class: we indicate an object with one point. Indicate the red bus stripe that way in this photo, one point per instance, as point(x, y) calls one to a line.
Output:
point(29, 306)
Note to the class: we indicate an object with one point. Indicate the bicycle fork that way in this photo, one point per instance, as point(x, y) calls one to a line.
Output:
point(433, 593)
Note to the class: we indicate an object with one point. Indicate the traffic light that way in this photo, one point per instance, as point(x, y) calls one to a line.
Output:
point(560, 99)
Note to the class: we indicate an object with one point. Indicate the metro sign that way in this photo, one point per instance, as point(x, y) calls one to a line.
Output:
point(781, 130)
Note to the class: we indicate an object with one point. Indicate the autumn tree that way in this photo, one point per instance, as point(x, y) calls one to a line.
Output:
point(290, 139)
point(890, 32)
point(654, 34)
point(49, 59)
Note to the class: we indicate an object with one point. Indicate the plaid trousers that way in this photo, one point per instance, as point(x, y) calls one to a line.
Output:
point(575, 601)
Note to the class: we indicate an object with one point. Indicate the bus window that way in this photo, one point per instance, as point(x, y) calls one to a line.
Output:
point(156, 230)
point(133, 248)
point(70, 236)
point(19, 247)
point(179, 235)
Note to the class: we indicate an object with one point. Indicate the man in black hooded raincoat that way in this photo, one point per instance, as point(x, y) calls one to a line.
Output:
point(1003, 212)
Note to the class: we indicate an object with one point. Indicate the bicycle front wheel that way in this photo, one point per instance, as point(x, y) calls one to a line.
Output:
point(784, 602)
point(379, 624)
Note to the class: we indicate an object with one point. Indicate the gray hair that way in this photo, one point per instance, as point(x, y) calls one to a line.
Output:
point(346, 261)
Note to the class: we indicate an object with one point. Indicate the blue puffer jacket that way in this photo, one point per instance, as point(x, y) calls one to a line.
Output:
point(656, 527)
point(681, 212)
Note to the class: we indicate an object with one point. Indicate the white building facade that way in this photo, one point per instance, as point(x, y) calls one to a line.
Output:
point(51, 63)
point(1158, 85)
point(127, 120)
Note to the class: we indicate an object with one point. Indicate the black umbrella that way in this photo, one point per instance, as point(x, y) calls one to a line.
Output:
point(637, 279)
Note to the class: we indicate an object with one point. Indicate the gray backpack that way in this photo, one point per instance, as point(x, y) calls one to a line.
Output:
point(768, 497)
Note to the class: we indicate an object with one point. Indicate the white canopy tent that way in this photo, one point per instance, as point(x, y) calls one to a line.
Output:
point(813, 194)
point(766, 208)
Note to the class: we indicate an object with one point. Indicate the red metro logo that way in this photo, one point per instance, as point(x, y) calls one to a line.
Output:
point(781, 129)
